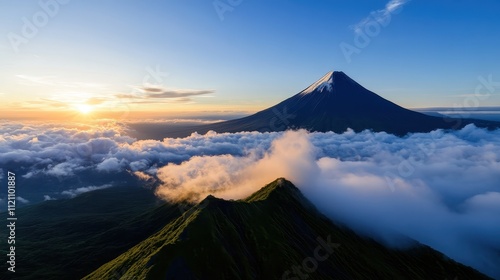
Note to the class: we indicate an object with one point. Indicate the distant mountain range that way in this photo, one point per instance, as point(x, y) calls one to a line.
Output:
point(276, 233)
point(335, 103)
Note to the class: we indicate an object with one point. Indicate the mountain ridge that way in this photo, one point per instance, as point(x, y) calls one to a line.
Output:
point(269, 235)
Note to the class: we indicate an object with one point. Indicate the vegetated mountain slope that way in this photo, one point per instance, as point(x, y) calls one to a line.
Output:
point(275, 233)
point(334, 103)
point(68, 239)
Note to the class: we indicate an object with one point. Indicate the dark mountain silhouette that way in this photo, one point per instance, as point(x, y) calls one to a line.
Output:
point(334, 103)
point(276, 233)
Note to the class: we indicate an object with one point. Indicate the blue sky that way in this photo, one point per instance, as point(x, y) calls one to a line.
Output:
point(243, 55)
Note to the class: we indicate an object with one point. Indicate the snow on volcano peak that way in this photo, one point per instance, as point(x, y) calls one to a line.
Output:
point(323, 84)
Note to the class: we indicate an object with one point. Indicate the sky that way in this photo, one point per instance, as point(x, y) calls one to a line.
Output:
point(180, 57)
point(86, 60)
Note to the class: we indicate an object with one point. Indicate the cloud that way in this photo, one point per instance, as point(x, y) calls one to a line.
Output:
point(22, 200)
point(440, 188)
point(382, 15)
point(60, 170)
point(234, 177)
point(76, 192)
point(139, 165)
point(47, 198)
point(155, 94)
point(393, 5)
point(110, 164)
point(143, 176)
point(152, 92)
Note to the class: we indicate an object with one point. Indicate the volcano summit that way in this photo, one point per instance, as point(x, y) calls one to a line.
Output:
point(335, 103)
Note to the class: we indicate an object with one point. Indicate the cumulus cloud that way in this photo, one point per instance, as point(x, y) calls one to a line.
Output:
point(143, 176)
point(60, 170)
point(231, 176)
point(110, 164)
point(57, 150)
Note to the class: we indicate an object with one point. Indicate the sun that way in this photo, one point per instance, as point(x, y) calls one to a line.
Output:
point(84, 108)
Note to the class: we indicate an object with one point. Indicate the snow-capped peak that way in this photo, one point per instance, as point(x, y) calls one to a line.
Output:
point(323, 84)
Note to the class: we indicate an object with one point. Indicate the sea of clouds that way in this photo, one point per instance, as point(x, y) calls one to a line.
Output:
point(440, 188)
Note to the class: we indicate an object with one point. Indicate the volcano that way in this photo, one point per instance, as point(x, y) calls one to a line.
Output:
point(335, 103)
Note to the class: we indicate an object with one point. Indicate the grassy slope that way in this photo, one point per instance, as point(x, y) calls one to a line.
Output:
point(265, 235)
point(67, 239)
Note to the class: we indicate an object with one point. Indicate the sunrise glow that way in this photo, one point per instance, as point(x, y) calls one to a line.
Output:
point(84, 108)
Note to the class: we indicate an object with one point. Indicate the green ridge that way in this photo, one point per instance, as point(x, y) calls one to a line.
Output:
point(273, 231)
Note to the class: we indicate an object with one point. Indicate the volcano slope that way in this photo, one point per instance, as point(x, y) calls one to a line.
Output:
point(335, 103)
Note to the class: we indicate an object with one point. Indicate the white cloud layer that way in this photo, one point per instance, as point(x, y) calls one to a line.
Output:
point(439, 188)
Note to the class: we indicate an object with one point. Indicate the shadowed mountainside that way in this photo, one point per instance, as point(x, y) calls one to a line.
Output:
point(335, 103)
point(68, 239)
